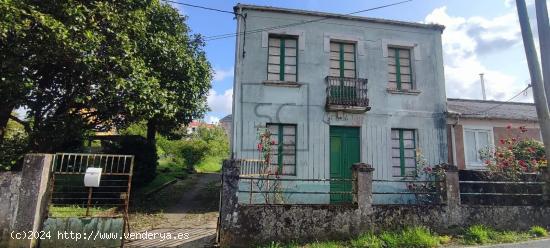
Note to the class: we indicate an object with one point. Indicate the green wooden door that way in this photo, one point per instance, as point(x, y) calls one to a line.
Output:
point(344, 151)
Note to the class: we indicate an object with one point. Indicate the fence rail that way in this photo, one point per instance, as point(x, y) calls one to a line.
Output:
point(272, 189)
point(407, 192)
point(478, 189)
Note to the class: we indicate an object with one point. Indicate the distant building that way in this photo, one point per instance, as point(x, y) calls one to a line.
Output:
point(476, 124)
point(225, 123)
point(195, 124)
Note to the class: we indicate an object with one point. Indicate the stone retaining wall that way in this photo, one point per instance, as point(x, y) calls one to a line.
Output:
point(244, 225)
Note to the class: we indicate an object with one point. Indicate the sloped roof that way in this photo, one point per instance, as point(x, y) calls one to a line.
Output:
point(227, 118)
point(483, 109)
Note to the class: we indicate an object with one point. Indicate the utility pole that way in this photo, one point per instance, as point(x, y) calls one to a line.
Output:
point(539, 94)
point(482, 86)
point(543, 26)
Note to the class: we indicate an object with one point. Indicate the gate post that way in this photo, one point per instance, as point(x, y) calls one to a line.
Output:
point(452, 186)
point(229, 199)
point(362, 186)
point(33, 197)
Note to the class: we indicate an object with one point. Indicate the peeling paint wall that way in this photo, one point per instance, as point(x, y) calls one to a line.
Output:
point(257, 103)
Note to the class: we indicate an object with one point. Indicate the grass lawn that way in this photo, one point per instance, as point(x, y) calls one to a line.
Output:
point(421, 237)
point(78, 211)
point(210, 164)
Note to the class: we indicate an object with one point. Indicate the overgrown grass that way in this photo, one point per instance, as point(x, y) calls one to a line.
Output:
point(77, 211)
point(421, 237)
point(209, 164)
point(538, 231)
point(479, 235)
point(167, 170)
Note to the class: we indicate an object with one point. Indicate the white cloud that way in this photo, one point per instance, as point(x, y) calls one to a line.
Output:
point(220, 103)
point(464, 39)
point(221, 74)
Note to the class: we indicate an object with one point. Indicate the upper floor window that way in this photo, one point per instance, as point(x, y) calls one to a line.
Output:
point(403, 142)
point(475, 140)
point(282, 59)
point(399, 68)
point(283, 150)
point(342, 59)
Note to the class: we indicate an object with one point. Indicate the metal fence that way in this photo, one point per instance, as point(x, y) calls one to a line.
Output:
point(502, 193)
point(69, 196)
point(273, 189)
point(407, 192)
point(347, 91)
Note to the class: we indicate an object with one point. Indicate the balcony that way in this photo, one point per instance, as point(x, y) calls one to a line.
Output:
point(347, 94)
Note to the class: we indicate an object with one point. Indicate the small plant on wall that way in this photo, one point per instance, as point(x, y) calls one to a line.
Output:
point(428, 181)
point(515, 155)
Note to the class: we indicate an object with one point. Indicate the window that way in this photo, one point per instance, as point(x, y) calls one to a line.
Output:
point(399, 68)
point(403, 142)
point(342, 59)
point(475, 140)
point(282, 59)
point(284, 149)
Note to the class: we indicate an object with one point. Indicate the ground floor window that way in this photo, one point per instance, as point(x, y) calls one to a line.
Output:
point(283, 148)
point(476, 139)
point(403, 142)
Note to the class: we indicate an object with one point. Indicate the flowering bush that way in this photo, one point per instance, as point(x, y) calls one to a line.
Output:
point(428, 181)
point(272, 190)
point(516, 155)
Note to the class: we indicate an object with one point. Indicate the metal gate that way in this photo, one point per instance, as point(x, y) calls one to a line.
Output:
point(96, 214)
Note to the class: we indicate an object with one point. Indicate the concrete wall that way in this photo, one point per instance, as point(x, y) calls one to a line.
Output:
point(257, 103)
point(92, 232)
point(9, 195)
point(23, 199)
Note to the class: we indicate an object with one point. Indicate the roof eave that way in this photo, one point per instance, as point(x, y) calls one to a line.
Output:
point(339, 16)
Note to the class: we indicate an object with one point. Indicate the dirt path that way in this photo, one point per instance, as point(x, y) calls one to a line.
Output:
point(194, 215)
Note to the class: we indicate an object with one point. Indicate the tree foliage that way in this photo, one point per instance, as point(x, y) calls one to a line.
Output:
point(93, 65)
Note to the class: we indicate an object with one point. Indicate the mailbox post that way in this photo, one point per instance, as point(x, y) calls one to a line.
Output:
point(92, 179)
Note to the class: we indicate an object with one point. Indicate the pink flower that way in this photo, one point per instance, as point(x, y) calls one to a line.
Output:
point(509, 126)
point(260, 147)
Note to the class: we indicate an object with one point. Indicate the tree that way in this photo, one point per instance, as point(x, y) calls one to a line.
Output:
point(181, 67)
point(94, 65)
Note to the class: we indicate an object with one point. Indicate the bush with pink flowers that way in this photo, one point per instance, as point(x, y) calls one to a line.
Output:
point(516, 155)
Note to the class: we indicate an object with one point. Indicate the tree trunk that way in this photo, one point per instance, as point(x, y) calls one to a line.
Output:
point(151, 132)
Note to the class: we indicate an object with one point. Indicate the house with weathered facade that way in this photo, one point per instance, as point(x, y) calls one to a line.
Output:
point(334, 90)
point(474, 125)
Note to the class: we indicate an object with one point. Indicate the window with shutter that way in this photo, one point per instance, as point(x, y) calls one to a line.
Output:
point(403, 142)
point(284, 149)
point(400, 68)
point(342, 59)
point(282, 64)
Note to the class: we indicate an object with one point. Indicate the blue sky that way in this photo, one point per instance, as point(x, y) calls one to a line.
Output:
point(480, 37)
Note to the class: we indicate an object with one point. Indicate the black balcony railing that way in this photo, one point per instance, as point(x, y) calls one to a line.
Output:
point(347, 92)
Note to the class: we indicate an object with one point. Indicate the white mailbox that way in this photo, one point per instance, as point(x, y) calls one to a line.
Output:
point(92, 177)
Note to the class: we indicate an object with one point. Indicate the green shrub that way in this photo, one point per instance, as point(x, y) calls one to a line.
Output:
point(538, 231)
point(477, 234)
point(507, 237)
point(193, 151)
point(145, 156)
point(391, 240)
point(12, 151)
point(368, 240)
point(419, 237)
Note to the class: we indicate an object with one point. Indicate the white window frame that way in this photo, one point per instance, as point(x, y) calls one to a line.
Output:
point(476, 129)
